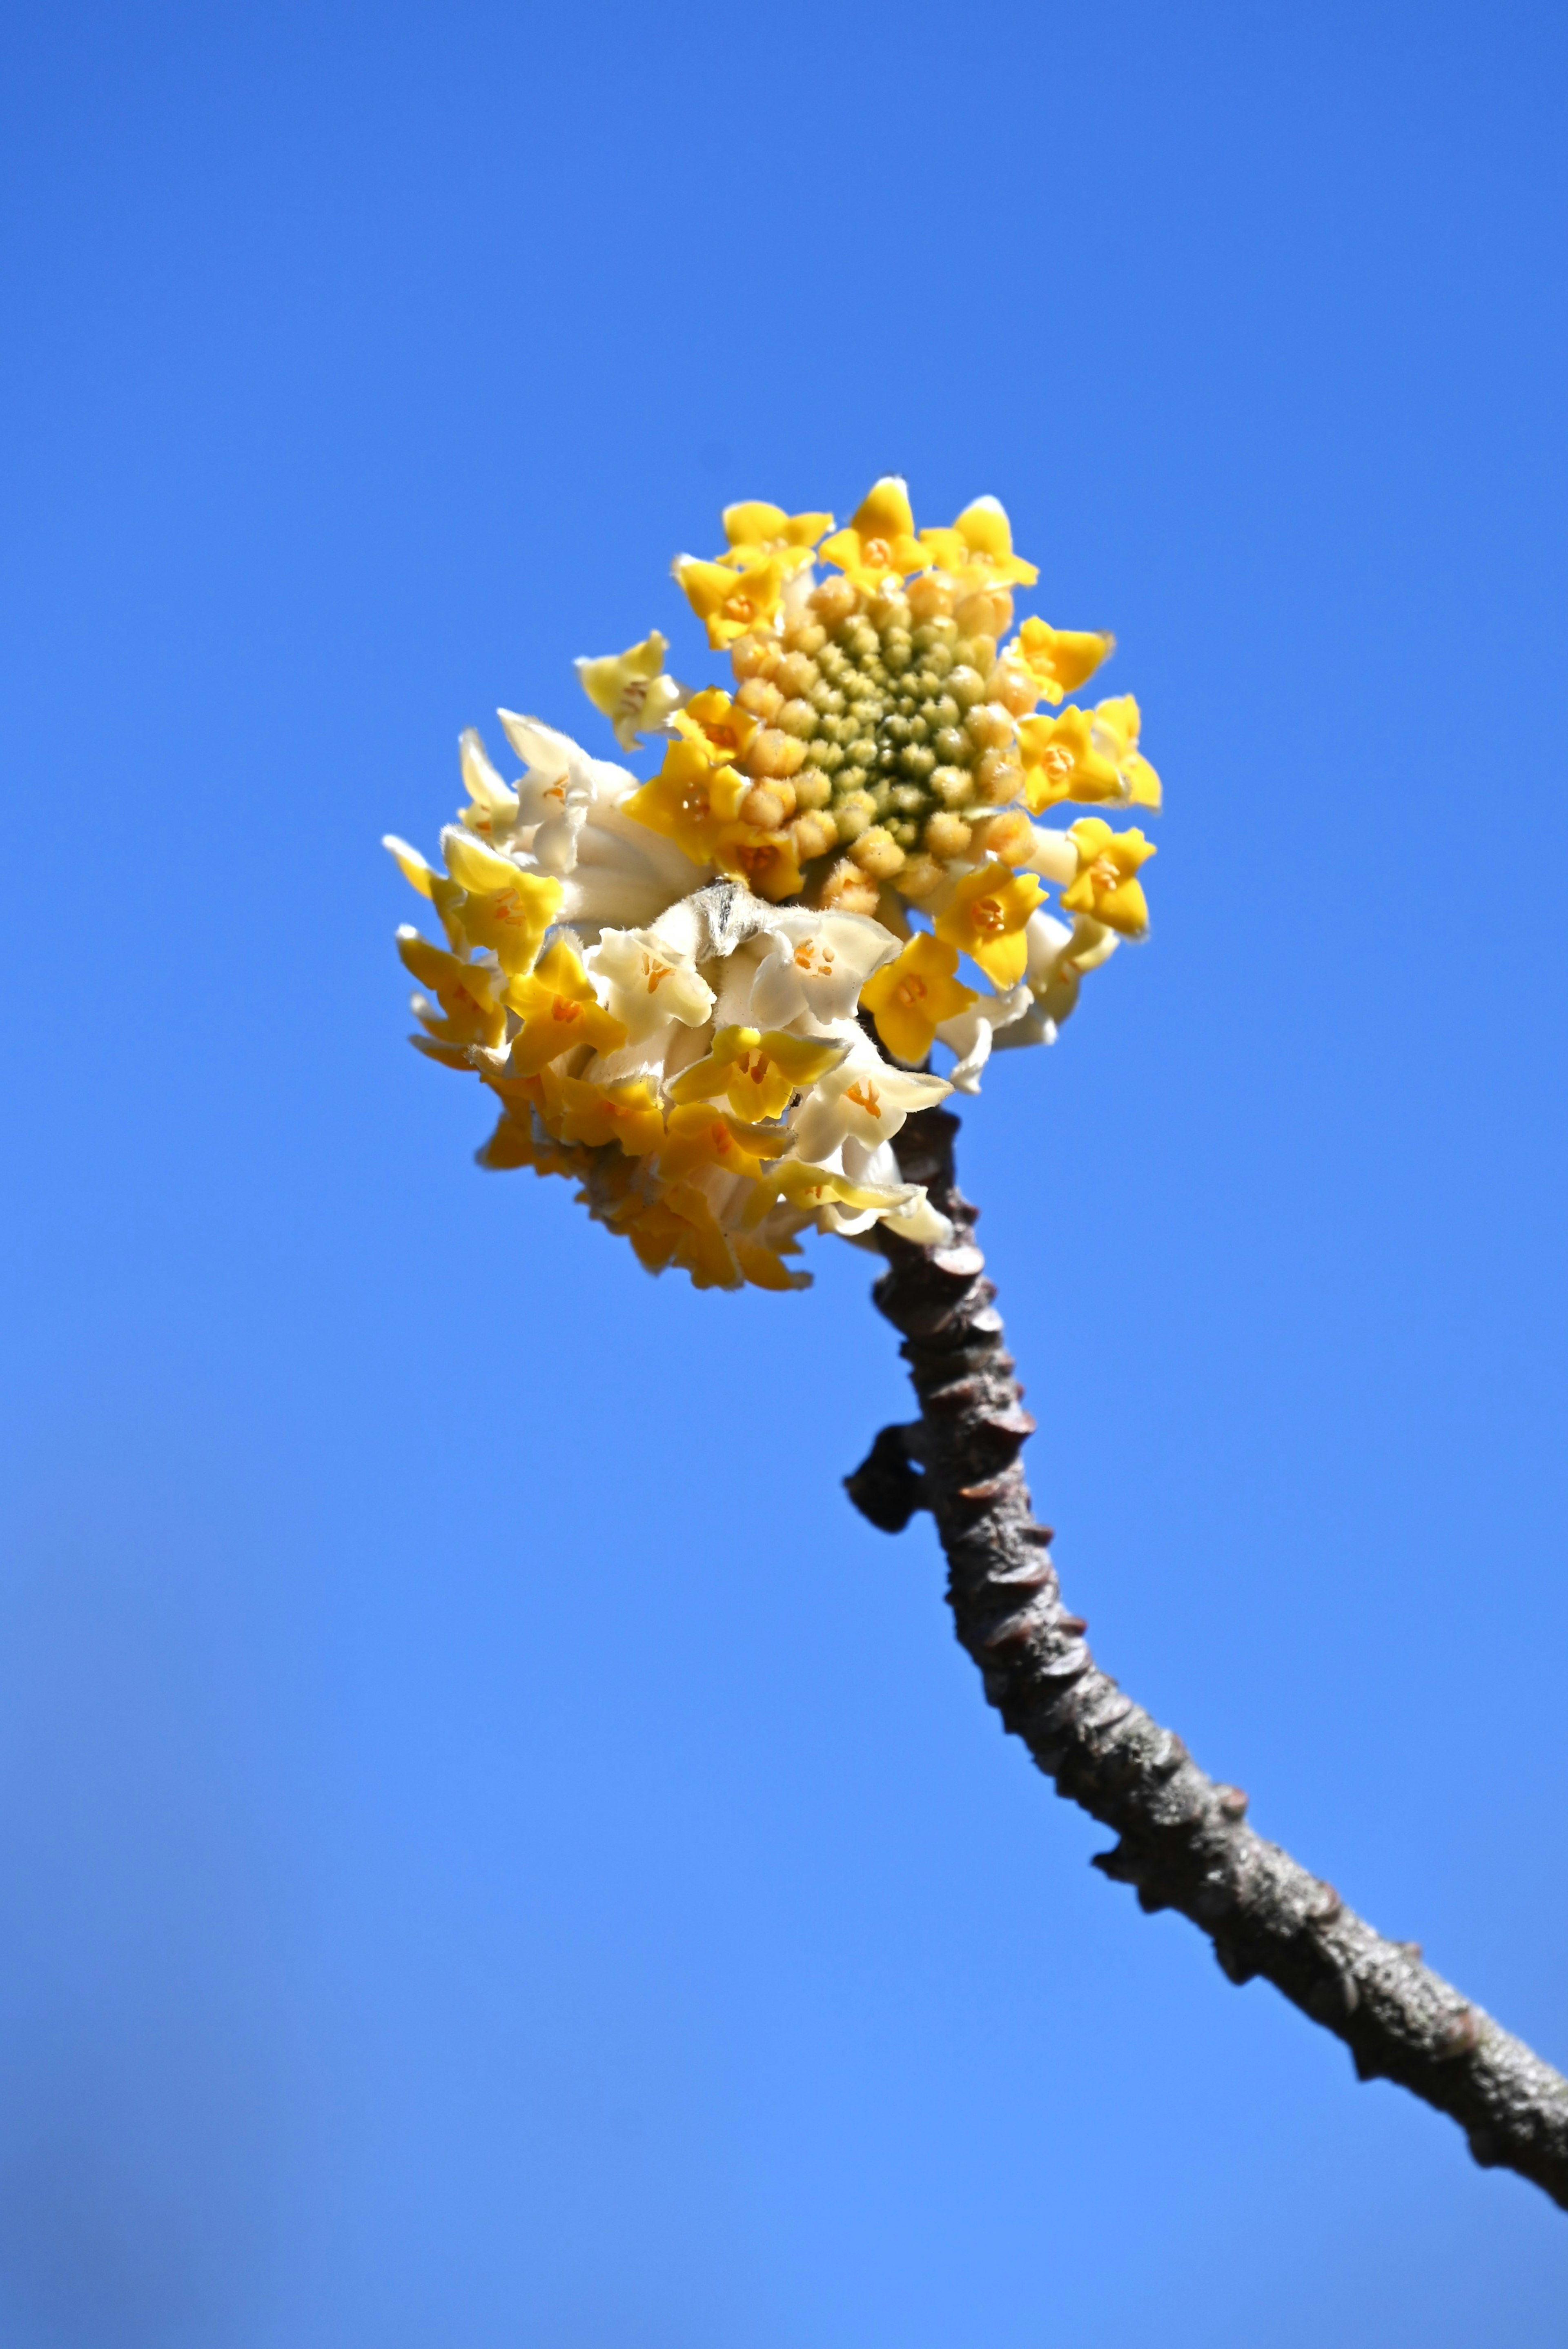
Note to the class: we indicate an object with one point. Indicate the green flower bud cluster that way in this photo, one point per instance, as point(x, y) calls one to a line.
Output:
point(895, 719)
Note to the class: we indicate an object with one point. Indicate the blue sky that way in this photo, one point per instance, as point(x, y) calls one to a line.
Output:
point(492, 1849)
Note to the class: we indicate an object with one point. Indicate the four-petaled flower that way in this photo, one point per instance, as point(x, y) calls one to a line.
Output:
point(559, 1011)
point(757, 530)
point(1059, 660)
point(863, 1100)
point(910, 998)
point(984, 918)
point(880, 542)
point(731, 602)
point(815, 966)
point(1088, 756)
point(693, 800)
point(632, 688)
point(648, 983)
point(760, 1070)
point(507, 909)
point(1107, 887)
point(978, 549)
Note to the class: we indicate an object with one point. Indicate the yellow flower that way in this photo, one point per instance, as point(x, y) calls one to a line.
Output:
point(978, 549)
point(692, 799)
point(469, 994)
point(1107, 887)
point(815, 1187)
point(767, 862)
point(1063, 761)
point(632, 688)
point(1060, 659)
point(1119, 721)
point(731, 602)
point(908, 998)
point(506, 908)
point(444, 894)
point(756, 530)
point(559, 1011)
point(880, 540)
point(515, 1144)
point(764, 1267)
point(627, 1115)
point(986, 918)
point(758, 1069)
point(700, 1136)
point(711, 717)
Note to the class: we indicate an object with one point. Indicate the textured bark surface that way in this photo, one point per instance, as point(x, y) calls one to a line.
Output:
point(1183, 1840)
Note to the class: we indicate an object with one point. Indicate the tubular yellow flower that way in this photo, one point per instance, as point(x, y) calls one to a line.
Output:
point(627, 1115)
point(560, 1012)
point(756, 530)
point(985, 920)
point(469, 994)
point(978, 549)
point(1107, 887)
point(699, 1136)
point(632, 688)
point(766, 862)
point(730, 601)
point(880, 541)
point(760, 1071)
point(1118, 723)
point(693, 800)
point(714, 718)
point(1060, 762)
point(506, 908)
point(909, 999)
point(665, 979)
point(1062, 659)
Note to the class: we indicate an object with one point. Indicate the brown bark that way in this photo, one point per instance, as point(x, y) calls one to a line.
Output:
point(1183, 1841)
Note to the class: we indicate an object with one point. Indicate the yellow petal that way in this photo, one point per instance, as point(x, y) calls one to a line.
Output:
point(885, 512)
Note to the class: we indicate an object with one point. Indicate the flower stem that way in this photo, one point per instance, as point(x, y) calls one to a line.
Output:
point(1183, 1841)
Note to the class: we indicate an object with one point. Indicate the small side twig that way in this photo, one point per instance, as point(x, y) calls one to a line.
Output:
point(1183, 1841)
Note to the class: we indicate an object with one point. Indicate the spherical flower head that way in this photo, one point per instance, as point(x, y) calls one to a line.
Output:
point(709, 994)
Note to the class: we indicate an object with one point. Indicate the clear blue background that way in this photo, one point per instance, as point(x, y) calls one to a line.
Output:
point(493, 1851)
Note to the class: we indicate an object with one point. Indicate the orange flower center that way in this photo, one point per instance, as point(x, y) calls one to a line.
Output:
point(877, 552)
point(864, 1096)
point(988, 915)
point(910, 990)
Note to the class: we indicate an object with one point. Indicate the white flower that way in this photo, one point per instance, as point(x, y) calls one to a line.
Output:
point(645, 985)
point(866, 1100)
point(815, 964)
point(556, 793)
point(494, 807)
point(1058, 957)
point(971, 1032)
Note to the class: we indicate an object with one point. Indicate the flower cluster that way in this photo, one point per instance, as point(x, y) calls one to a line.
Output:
point(710, 996)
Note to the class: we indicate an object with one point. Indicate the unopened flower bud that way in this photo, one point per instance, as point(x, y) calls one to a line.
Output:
point(754, 656)
point(1006, 838)
point(877, 853)
point(761, 698)
point(833, 602)
point(929, 597)
point(947, 835)
point(848, 890)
